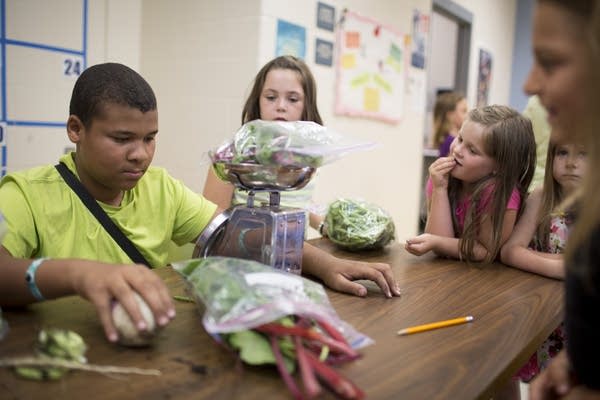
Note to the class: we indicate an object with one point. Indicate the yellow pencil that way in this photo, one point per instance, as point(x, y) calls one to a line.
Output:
point(435, 325)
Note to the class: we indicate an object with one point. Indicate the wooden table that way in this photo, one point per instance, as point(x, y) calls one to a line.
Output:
point(514, 312)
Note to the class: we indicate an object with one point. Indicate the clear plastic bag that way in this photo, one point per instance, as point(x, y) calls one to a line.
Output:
point(358, 225)
point(283, 143)
point(241, 294)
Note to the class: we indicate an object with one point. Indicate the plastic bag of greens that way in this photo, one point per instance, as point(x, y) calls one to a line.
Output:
point(241, 294)
point(357, 225)
point(272, 317)
point(283, 143)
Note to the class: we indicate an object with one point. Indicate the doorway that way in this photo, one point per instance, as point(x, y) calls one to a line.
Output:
point(448, 69)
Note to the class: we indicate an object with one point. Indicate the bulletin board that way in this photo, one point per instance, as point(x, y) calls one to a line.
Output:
point(371, 69)
point(43, 50)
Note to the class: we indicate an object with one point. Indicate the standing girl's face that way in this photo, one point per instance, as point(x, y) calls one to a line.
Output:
point(282, 96)
point(560, 73)
point(472, 162)
point(569, 166)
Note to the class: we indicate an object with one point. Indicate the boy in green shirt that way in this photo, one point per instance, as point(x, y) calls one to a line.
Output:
point(56, 247)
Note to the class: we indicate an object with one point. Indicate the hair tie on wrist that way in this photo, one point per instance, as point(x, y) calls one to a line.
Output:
point(30, 278)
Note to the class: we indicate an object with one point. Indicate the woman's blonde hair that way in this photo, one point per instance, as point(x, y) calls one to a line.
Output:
point(445, 103)
point(508, 139)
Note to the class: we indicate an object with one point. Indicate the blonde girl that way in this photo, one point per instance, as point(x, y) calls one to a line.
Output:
point(474, 195)
point(449, 114)
point(540, 236)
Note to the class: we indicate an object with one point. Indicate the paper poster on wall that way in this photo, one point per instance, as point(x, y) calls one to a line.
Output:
point(416, 90)
point(371, 69)
point(420, 32)
point(484, 77)
point(291, 39)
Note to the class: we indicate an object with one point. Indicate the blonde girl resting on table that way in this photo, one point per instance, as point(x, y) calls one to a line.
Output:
point(284, 90)
point(540, 237)
point(474, 195)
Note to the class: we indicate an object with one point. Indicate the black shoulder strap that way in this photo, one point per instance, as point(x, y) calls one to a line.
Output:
point(108, 224)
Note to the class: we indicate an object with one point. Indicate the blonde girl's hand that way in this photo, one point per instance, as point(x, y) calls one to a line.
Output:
point(439, 171)
point(421, 244)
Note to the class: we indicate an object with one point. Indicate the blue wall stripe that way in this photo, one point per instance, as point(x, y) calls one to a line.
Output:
point(42, 47)
point(3, 160)
point(36, 123)
point(3, 57)
point(84, 44)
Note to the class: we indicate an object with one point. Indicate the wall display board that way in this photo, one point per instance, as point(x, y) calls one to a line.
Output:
point(43, 47)
point(371, 69)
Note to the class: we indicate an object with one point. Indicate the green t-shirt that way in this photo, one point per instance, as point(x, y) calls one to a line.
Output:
point(47, 219)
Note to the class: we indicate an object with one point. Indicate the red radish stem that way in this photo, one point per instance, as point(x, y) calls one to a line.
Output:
point(309, 380)
point(340, 385)
point(287, 378)
point(280, 330)
point(332, 331)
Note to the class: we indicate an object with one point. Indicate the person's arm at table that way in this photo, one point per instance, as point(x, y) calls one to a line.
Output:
point(217, 190)
point(99, 283)
point(516, 251)
point(449, 246)
point(339, 274)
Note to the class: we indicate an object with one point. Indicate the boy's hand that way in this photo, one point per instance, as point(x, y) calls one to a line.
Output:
point(340, 274)
point(553, 382)
point(102, 284)
point(421, 244)
point(439, 171)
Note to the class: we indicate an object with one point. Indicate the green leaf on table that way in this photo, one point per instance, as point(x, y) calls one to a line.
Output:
point(255, 349)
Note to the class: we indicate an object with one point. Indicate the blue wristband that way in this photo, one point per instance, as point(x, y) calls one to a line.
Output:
point(30, 279)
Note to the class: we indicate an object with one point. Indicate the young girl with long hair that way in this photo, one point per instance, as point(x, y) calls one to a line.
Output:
point(540, 238)
point(474, 195)
point(284, 90)
point(449, 114)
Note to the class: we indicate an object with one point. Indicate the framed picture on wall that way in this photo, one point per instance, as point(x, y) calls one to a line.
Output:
point(420, 33)
point(484, 77)
point(325, 16)
point(323, 52)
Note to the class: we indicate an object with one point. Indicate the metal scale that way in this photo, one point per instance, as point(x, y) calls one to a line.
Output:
point(268, 233)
